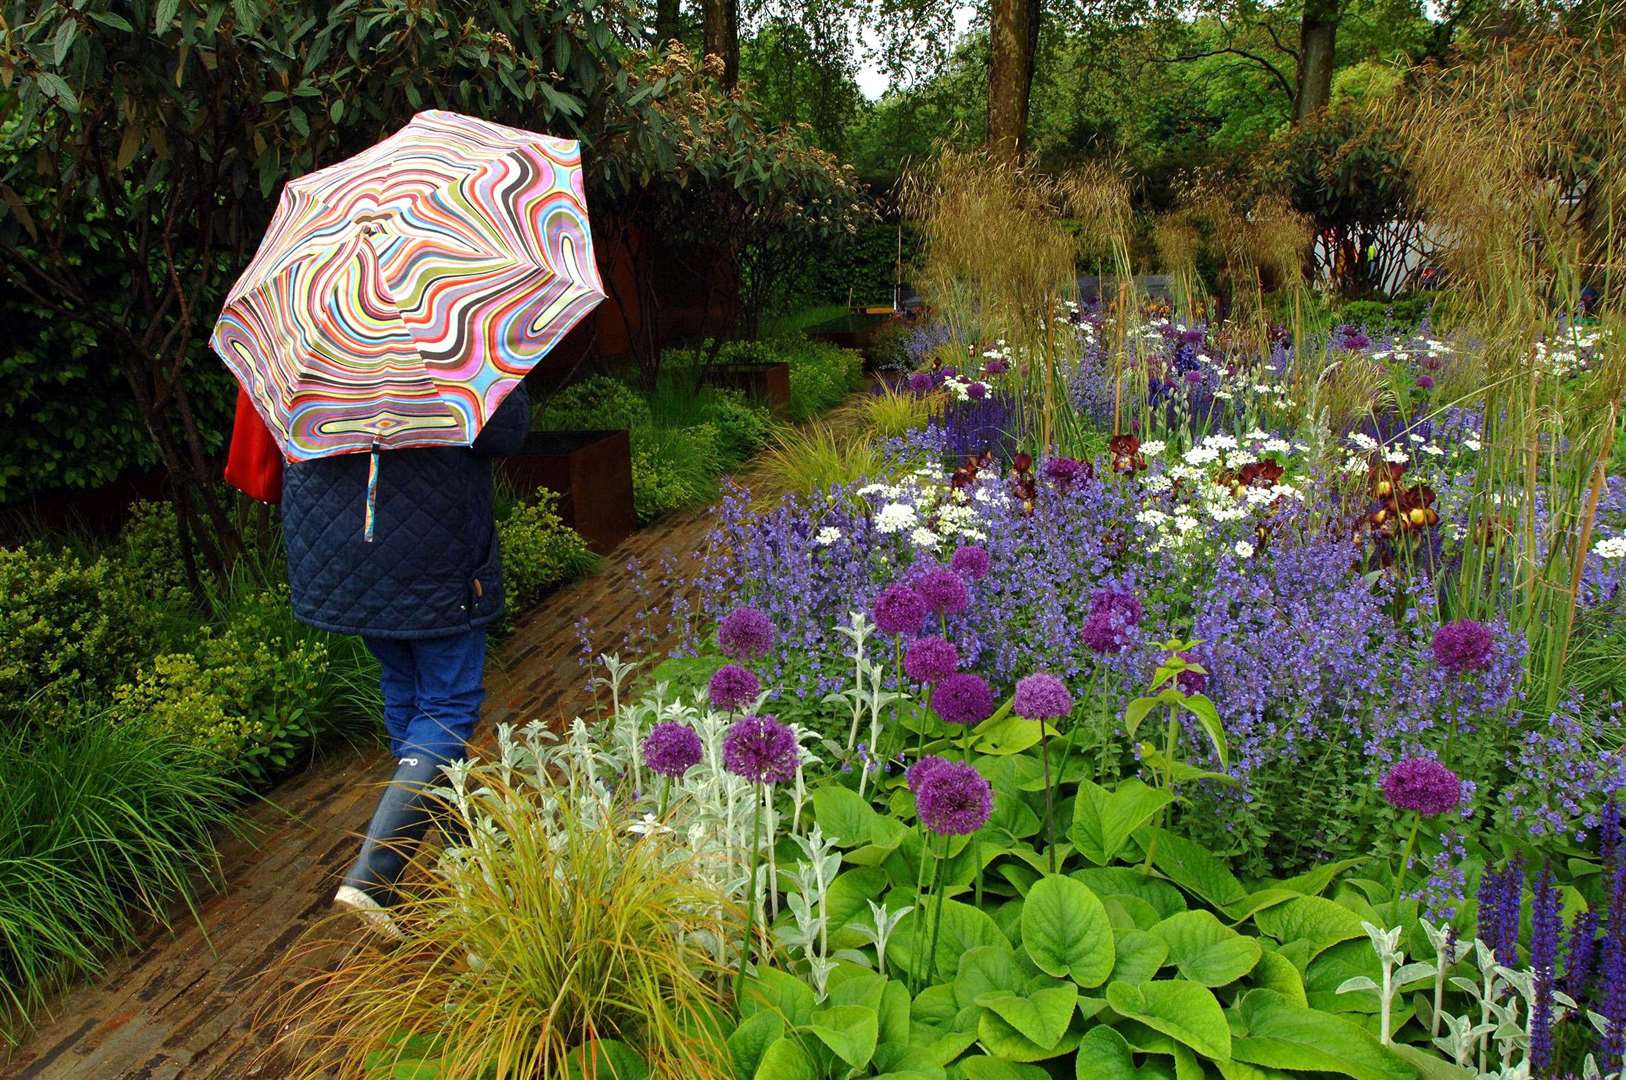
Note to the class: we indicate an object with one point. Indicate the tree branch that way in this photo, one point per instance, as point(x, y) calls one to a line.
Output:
point(1282, 81)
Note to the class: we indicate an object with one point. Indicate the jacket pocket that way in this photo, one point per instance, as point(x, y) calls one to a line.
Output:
point(485, 587)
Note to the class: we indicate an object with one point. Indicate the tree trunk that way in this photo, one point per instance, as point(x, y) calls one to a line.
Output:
point(666, 21)
point(1318, 36)
point(722, 36)
point(1013, 34)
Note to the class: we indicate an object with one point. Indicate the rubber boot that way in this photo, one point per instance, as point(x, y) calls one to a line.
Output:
point(403, 815)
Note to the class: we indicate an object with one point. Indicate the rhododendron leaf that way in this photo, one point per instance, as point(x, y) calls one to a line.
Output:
point(986, 970)
point(1194, 868)
point(786, 1060)
point(1310, 918)
point(945, 1047)
point(1020, 876)
point(850, 1031)
point(1103, 821)
point(1276, 972)
point(1283, 1036)
point(1205, 950)
point(1180, 1009)
point(1431, 1066)
point(1003, 1040)
point(1107, 881)
point(1041, 1017)
point(1241, 1070)
point(779, 992)
point(1104, 1055)
point(751, 1040)
point(1066, 931)
point(1139, 956)
point(1256, 902)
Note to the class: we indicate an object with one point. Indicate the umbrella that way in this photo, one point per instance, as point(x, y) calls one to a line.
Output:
point(399, 295)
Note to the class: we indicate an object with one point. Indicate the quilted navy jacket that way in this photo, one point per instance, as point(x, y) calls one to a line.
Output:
point(432, 568)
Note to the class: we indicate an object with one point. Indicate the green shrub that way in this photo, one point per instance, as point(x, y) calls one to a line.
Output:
point(95, 830)
point(1402, 314)
point(70, 629)
point(540, 551)
point(821, 376)
point(673, 468)
point(599, 402)
point(742, 427)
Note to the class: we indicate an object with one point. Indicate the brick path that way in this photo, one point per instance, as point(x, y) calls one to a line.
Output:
point(184, 1003)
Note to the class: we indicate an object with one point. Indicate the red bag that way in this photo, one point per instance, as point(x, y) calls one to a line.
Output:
point(254, 464)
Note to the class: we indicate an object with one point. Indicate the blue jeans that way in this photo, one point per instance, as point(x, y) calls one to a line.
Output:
point(433, 688)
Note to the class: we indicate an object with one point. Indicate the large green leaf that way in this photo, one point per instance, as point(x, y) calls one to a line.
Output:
point(1012, 819)
point(779, 992)
point(850, 1031)
point(991, 1068)
point(846, 901)
point(848, 818)
point(963, 928)
point(1042, 1017)
point(606, 1059)
point(1104, 820)
point(1276, 972)
point(894, 1012)
point(1195, 868)
point(1283, 1036)
point(1180, 1009)
point(1312, 881)
point(786, 1060)
point(1002, 1040)
point(1206, 950)
point(1327, 972)
point(1104, 1055)
point(1010, 734)
point(1066, 931)
point(751, 1040)
point(1107, 881)
point(1310, 918)
point(1139, 956)
point(985, 970)
point(1130, 913)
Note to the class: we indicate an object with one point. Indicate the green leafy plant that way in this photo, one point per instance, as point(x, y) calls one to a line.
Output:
point(539, 550)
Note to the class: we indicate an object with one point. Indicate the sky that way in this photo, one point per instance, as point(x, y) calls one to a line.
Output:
point(873, 81)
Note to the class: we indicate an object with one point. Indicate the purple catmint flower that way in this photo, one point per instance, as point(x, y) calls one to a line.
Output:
point(1422, 785)
point(732, 688)
point(928, 659)
point(951, 798)
point(1113, 614)
point(900, 610)
point(745, 633)
point(672, 749)
point(1042, 697)
point(1463, 646)
point(1190, 682)
point(944, 591)
point(970, 561)
point(762, 750)
point(1546, 911)
point(963, 699)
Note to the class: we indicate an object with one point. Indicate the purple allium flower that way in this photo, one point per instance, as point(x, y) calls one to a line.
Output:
point(970, 561)
point(951, 798)
point(733, 687)
point(1425, 382)
point(672, 749)
point(761, 749)
point(900, 610)
point(1063, 470)
point(943, 590)
point(1190, 682)
point(920, 383)
point(1423, 785)
point(928, 659)
point(1042, 697)
point(745, 633)
point(963, 699)
point(1463, 646)
point(916, 774)
point(996, 366)
point(1113, 614)
point(1546, 919)
point(976, 391)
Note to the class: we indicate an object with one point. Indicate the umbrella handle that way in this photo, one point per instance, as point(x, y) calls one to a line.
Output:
point(368, 518)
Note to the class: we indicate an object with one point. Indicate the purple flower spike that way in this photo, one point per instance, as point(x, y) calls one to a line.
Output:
point(926, 660)
point(762, 750)
point(1042, 697)
point(1423, 785)
point(900, 610)
point(971, 562)
point(963, 699)
point(733, 688)
point(951, 798)
point(672, 749)
point(745, 633)
point(1463, 646)
point(944, 591)
point(1546, 920)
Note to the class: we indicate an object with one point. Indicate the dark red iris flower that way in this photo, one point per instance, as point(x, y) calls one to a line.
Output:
point(1126, 455)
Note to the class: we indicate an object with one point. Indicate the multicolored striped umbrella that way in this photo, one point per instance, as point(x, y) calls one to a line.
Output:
point(398, 296)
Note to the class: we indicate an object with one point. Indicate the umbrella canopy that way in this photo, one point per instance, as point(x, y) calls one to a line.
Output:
point(399, 295)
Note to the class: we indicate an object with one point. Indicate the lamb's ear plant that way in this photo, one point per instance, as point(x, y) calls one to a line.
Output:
point(1396, 978)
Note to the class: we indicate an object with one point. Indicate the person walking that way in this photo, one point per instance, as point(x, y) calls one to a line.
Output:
point(420, 593)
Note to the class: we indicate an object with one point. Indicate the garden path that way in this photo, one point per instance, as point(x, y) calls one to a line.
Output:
point(190, 1001)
